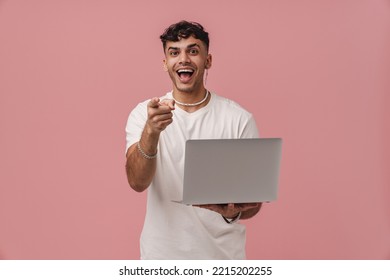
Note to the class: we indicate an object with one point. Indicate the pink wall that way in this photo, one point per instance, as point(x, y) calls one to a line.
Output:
point(313, 72)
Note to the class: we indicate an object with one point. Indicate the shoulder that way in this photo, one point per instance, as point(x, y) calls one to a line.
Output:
point(229, 106)
point(234, 117)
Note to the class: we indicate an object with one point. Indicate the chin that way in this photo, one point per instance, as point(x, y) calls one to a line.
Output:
point(187, 89)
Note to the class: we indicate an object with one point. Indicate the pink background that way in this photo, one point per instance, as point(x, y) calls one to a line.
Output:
point(315, 73)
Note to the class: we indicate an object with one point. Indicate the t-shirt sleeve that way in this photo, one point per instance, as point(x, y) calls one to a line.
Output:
point(135, 124)
point(250, 129)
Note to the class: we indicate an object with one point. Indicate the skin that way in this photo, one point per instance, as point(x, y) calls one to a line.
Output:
point(140, 171)
point(187, 53)
point(191, 54)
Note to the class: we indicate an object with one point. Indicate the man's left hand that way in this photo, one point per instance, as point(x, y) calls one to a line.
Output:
point(229, 210)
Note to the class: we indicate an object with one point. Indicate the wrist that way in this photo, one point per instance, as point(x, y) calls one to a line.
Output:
point(151, 132)
point(149, 140)
point(145, 154)
point(232, 219)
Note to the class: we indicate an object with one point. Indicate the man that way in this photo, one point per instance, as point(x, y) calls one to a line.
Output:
point(156, 133)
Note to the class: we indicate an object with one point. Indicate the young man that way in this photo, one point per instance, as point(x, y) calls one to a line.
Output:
point(157, 130)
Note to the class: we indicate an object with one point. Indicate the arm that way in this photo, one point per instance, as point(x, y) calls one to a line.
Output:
point(139, 169)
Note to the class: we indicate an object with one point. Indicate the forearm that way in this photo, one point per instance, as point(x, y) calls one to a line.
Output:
point(140, 170)
point(250, 212)
point(140, 167)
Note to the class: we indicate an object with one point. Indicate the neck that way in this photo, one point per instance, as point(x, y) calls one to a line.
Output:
point(191, 101)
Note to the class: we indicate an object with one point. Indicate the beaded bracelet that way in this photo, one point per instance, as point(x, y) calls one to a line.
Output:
point(144, 154)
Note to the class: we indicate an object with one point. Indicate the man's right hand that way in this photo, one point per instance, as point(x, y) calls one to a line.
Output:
point(159, 114)
point(141, 170)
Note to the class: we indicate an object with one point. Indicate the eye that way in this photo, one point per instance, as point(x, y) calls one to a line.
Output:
point(193, 51)
point(173, 53)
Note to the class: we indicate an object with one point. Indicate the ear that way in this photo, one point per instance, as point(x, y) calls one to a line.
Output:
point(209, 61)
point(165, 67)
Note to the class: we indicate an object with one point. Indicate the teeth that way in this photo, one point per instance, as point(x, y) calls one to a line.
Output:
point(185, 70)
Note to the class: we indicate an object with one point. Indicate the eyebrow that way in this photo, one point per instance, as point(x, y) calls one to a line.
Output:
point(172, 48)
point(188, 47)
point(193, 45)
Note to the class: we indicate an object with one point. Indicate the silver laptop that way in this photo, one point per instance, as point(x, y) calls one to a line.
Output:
point(231, 170)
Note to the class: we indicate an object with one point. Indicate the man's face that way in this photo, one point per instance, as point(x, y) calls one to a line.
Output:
point(186, 61)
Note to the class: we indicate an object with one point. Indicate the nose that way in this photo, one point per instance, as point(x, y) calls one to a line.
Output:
point(184, 58)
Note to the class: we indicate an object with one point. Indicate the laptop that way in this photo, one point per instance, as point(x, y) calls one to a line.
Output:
point(219, 171)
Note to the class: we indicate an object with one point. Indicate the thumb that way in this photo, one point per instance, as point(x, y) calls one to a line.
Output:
point(168, 102)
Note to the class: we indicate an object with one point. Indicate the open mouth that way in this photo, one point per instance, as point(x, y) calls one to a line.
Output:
point(185, 74)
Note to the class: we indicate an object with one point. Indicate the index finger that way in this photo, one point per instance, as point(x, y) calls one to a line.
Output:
point(154, 102)
point(246, 206)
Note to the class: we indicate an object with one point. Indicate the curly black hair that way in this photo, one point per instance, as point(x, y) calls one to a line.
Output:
point(185, 29)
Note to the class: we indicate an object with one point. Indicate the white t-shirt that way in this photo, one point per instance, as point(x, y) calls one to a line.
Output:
point(172, 230)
